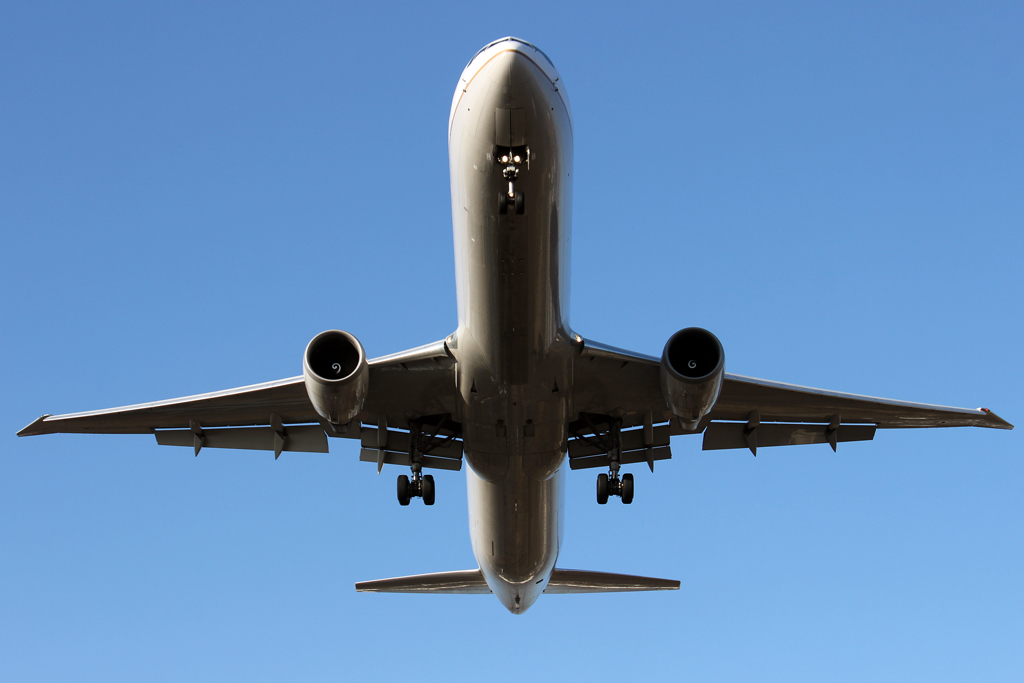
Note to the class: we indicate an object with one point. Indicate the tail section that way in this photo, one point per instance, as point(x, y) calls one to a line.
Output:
point(562, 581)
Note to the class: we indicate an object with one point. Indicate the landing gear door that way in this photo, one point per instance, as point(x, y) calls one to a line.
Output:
point(510, 127)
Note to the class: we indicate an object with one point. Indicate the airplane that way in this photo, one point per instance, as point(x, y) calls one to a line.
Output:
point(514, 391)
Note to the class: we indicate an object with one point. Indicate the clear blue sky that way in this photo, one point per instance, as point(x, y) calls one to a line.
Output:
point(188, 193)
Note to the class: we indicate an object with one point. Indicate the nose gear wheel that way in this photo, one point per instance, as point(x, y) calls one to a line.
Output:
point(517, 202)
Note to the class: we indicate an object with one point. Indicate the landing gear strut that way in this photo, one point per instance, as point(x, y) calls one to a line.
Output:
point(604, 434)
point(425, 436)
point(420, 486)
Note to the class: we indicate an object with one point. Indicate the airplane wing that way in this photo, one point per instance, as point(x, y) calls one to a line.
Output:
point(414, 388)
point(625, 387)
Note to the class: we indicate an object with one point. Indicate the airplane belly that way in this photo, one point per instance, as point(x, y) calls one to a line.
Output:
point(512, 262)
point(510, 152)
point(515, 527)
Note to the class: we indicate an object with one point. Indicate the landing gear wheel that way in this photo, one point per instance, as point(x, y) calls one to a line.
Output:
point(503, 203)
point(428, 489)
point(403, 489)
point(520, 203)
point(602, 488)
point(626, 489)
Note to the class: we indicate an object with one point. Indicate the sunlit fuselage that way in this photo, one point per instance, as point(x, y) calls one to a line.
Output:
point(513, 344)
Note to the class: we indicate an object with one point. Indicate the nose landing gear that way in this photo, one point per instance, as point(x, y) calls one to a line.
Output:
point(513, 199)
point(512, 158)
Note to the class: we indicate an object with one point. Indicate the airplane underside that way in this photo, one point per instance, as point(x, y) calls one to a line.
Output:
point(514, 392)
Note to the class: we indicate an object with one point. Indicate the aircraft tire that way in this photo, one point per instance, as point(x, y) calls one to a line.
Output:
point(502, 203)
point(627, 489)
point(428, 489)
point(520, 203)
point(602, 488)
point(403, 489)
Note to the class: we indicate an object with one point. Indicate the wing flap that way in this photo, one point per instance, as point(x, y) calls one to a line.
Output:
point(631, 440)
point(724, 435)
point(626, 458)
point(304, 439)
point(404, 459)
point(400, 442)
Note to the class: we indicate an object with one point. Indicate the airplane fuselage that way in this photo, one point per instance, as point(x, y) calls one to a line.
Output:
point(510, 152)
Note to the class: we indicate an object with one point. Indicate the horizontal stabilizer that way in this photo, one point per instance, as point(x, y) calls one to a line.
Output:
point(465, 581)
point(471, 581)
point(580, 581)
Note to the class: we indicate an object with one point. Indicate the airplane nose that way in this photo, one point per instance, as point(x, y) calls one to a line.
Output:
point(509, 70)
point(515, 77)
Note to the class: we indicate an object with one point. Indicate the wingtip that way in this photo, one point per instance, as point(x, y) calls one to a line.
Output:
point(994, 420)
point(32, 429)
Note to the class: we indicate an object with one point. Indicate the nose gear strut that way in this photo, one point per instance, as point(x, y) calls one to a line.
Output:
point(512, 159)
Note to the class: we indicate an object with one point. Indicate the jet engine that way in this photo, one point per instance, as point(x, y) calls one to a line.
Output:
point(692, 367)
point(336, 374)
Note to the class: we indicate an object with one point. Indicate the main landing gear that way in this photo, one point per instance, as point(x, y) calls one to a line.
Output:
point(430, 440)
point(604, 434)
point(611, 485)
point(420, 486)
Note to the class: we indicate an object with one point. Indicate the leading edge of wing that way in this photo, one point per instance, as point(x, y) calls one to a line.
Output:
point(226, 408)
point(778, 401)
point(425, 352)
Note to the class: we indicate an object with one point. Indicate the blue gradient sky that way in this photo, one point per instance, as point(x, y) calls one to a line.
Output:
point(190, 192)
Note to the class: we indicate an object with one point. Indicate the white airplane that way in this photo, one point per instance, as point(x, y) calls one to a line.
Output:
point(514, 391)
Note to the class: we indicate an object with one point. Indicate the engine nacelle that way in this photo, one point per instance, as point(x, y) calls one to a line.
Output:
point(692, 368)
point(336, 374)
